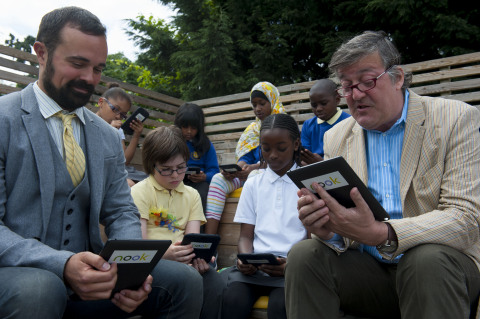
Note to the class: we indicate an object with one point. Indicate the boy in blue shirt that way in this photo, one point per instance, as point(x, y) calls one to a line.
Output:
point(324, 100)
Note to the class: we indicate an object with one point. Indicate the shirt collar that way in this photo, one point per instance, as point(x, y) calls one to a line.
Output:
point(180, 188)
point(48, 107)
point(272, 177)
point(333, 119)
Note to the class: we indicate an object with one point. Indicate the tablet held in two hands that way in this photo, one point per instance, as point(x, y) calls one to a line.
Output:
point(135, 260)
point(338, 179)
point(204, 245)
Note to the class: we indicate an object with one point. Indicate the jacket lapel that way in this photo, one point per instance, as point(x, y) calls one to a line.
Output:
point(356, 154)
point(412, 143)
point(94, 162)
point(39, 135)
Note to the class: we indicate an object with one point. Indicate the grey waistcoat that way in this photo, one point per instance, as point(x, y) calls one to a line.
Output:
point(68, 225)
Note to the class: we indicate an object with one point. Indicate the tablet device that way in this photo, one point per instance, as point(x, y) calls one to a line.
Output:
point(337, 178)
point(192, 170)
point(258, 259)
point(204, 245)
point(140, 114)
point(230, 168)
point(135, 260)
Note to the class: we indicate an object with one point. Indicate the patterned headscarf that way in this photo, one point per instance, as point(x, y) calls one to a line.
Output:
point(251, 136)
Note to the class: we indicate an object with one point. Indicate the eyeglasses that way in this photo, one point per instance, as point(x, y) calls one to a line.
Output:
point(362, 86)
point(169, 171)
point(116, 110)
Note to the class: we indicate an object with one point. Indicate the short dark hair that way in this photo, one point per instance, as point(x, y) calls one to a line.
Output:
point(160, 145)
point(288, 123)
point(365, 44)
point(327, 85)
point(190, 114)
point(53, 23)
point(117, 93)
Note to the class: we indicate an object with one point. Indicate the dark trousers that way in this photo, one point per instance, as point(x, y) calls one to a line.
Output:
point(430, 282)
point(239, 298)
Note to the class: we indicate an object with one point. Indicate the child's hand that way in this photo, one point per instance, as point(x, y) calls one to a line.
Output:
point(177, 252)
point(198, 178)
point(275, 270)
point(246, 269)
point(243, 174)
point(200, 265)
point(137, 127)
point(307, 157)
point(116, 123)
point(227, 175)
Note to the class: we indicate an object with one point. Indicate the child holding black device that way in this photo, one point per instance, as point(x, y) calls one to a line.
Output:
point(113, 106)
point(169, 209)
point(265, 100)
point(191, 120)
point(267, 211)
point(324, 100)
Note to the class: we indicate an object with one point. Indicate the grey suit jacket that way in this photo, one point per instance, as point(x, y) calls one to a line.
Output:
point(439, 173)
point(27, 185)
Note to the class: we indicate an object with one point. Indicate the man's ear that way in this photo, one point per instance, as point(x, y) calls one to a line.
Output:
point(41, 51)
point(400, 78)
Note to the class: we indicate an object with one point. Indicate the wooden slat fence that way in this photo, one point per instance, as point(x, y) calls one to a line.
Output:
point(455, 77)
point(162, 108)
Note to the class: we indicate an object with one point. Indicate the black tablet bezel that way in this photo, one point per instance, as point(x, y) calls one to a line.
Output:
point(200, 239)
point(257, 259)
point(338, 165)
point(230, 168)
point(193, 170)
point(126, 125)
point(132, 275)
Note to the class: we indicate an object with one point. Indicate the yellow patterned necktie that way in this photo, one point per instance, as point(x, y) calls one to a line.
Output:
point(74, 157)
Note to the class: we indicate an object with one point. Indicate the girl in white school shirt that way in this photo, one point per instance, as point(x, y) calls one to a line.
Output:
point(267, 211)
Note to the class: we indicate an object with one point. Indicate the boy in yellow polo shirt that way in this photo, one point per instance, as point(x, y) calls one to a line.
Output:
point(169, 209)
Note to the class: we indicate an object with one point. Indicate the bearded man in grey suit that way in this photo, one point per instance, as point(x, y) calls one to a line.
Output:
point(420, 158)
point(49, 224)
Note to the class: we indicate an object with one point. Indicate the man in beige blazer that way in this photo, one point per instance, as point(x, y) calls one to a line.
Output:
point(420, 157)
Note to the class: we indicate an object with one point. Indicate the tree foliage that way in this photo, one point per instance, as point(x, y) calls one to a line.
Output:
point(120, 67)
point(25, 45)
point(218, 47)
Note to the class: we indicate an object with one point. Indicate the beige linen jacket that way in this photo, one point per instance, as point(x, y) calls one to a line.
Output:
point(439, 173)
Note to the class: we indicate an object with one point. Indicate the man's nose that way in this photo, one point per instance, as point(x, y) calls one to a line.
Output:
point(357, 94)
point(88, 75)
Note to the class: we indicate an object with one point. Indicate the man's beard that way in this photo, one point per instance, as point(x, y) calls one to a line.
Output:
point(66, 96)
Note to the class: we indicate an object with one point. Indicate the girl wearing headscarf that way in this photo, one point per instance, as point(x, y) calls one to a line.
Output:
point(265, 100)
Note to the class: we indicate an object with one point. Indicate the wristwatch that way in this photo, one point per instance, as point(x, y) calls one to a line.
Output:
point(391, 244)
